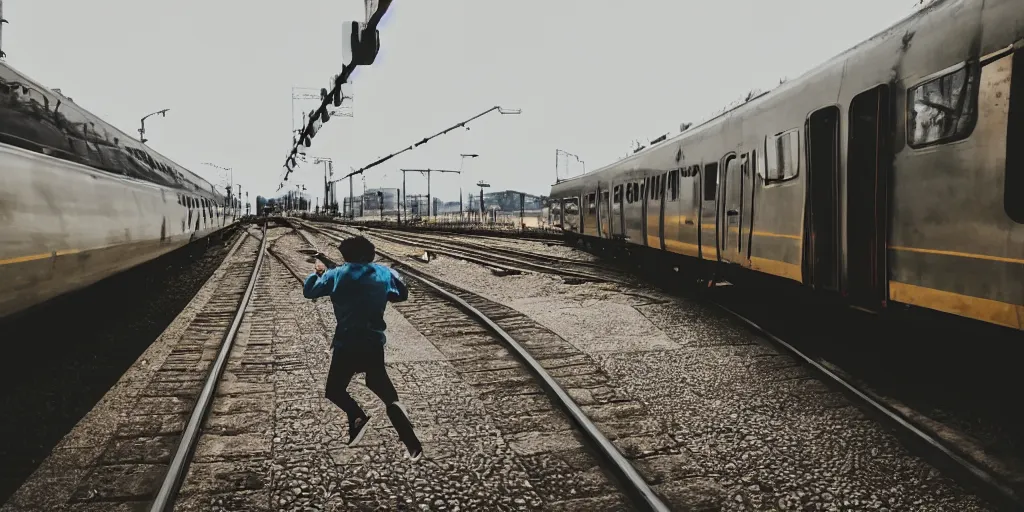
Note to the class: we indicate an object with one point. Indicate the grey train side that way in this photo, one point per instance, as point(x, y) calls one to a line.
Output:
point(892, 173)
point(80, 200)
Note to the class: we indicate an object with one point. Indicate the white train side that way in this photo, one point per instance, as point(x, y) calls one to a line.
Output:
point(81, 201)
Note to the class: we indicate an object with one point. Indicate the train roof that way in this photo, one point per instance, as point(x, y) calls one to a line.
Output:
point(768, 95)
point(32, 131)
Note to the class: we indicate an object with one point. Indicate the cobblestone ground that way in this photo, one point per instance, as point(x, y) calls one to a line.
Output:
point(114, 458)
point(756, 424)
point(274, 443)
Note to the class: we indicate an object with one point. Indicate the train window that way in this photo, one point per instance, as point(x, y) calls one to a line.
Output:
point(591, 206)
point(710, 181)
point(617, 194)
point(782, 156)
point(943, 108)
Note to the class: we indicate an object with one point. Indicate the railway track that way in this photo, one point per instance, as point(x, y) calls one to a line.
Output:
point(923, 438)
point(501, 258)
point(228, 308)
point(538, 353)
point(459, 241)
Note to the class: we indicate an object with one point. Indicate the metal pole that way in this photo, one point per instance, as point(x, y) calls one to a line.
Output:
point(405, 199)
point(522, 211)
point(430, 204)
point(351, 200)
point(2, 21)
point(293, 111)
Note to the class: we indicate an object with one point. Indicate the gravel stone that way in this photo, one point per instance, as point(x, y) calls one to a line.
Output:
point(760, 428)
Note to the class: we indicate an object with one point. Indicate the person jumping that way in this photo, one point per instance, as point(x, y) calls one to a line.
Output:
point(360, 291)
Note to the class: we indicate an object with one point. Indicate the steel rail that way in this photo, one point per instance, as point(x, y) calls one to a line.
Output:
point(506, 260)
point(484, 247)
point(636, 487)
point(182, 457)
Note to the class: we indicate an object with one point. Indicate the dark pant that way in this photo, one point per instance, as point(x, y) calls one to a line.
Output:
point(369, 358)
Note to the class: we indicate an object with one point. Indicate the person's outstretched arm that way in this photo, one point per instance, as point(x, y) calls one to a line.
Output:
point(320, 283)
point(397, 292)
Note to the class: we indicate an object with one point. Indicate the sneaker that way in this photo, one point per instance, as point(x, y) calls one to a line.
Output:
point(356, 430)
point(416, 453)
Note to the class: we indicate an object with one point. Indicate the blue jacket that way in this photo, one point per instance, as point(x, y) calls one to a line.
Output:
point(360, 293)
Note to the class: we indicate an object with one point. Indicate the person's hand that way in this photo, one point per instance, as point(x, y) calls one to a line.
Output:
point(319, 268)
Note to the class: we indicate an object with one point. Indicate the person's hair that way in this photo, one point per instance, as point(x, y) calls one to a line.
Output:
point(357, 250)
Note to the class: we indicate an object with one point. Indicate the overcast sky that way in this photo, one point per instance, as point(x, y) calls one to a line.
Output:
point(590, 76)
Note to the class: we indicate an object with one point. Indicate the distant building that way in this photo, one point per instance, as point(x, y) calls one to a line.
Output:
point(294, 200)
point(369, 203)
point(506, 200)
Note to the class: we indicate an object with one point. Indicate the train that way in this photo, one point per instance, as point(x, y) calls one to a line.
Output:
point(81, 201)
point(892, 174)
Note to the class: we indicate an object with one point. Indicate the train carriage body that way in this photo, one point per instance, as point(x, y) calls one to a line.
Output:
point(81, 201)
point(891, 173)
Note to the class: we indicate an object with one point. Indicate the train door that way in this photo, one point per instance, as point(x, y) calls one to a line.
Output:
point(645, 198)
point(662, 199)
point(633, 223)
point(616, 211)
point(728, 224)
point(736, 177)
point(589, 223)
point(654, 211)
point(868, 159)
point(747, 208)
point(708, 217)
point(555, 214)
point(821, 219)
point(605, 214)
point(672, 213)
point(571, 214)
